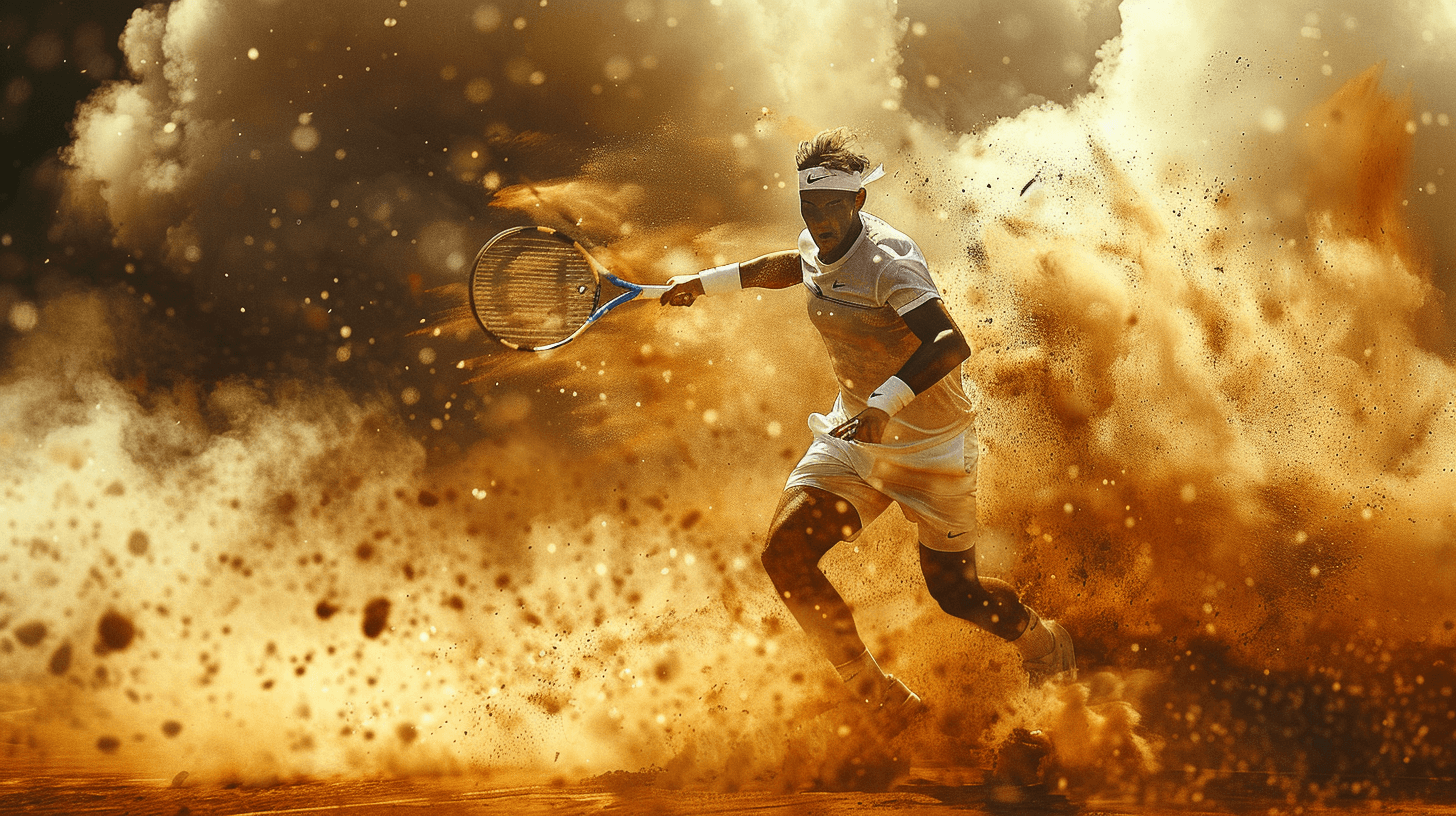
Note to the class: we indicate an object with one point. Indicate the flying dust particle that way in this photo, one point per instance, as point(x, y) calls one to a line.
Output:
point(304, 138)
point(286, 503)
point(24, 317)
point(31, 633)
point(376, 617)
point(60, 660)
point(115, 631)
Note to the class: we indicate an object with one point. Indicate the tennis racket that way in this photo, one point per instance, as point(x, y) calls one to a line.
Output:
point(534, 289)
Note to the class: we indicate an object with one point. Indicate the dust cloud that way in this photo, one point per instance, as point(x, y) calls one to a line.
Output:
point(276, 510)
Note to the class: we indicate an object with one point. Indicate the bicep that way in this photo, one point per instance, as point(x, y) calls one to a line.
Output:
point(932, 323)
point(776, 270)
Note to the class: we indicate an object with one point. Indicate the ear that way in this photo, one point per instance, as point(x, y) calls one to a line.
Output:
point(859, 199)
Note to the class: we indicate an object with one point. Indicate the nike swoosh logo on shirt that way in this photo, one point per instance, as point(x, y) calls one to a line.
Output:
point(838, 285)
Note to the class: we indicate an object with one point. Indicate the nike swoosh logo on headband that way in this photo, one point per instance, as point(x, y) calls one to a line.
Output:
point(812, 178)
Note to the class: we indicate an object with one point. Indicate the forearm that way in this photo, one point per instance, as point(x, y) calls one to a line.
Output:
point(935, 359)
point(941, 351)
point(942, 346)
point(776, 270)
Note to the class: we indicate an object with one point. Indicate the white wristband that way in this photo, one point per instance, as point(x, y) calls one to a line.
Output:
point(721, 280)
point(892, 395)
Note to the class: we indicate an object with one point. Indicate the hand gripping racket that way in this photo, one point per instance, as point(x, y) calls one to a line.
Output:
point(534, 289)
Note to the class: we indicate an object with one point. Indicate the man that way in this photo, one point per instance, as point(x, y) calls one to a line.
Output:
point(900, 430)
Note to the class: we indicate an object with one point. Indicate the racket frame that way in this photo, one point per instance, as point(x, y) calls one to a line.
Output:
point(634, 291)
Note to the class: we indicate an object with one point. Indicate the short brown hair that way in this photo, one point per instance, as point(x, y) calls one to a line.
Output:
point(833, 150)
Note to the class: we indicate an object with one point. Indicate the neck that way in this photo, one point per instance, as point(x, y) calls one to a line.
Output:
point(849, 239)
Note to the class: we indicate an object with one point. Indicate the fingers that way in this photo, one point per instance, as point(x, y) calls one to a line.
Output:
point(685, 289)
point(865, 427)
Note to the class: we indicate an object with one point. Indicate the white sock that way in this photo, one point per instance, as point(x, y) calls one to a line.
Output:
point(863, 672)
point(1036, 639)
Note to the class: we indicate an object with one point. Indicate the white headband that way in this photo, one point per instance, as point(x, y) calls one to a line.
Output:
point(823, 178)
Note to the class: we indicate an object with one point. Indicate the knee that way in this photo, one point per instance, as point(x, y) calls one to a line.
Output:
point(775, 556)
point(785, 554)
point(806, 526)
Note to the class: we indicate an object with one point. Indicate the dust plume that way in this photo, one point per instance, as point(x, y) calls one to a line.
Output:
point(275, 508)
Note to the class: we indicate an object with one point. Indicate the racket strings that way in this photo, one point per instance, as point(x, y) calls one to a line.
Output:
point(532, 289)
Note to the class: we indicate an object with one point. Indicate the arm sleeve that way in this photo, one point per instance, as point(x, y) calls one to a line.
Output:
point(905, 284)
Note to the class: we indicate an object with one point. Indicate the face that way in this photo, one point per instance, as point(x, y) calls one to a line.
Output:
point(831, 216)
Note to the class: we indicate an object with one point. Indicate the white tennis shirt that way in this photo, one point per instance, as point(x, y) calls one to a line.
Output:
point(856, 303)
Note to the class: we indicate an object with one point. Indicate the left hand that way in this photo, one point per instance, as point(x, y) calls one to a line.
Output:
point(866, 426)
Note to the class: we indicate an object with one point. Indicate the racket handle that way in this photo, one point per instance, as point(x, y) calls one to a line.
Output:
point(653, 291)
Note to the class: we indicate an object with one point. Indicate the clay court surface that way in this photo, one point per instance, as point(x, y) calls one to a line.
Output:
point(924, 790)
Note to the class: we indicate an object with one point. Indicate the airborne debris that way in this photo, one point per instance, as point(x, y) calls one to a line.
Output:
point(60, 661)
point(115, 632)
point(30, 634)
point(376, 617)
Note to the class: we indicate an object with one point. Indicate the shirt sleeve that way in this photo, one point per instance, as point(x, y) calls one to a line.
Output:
point(807, 255)
point(904, 284)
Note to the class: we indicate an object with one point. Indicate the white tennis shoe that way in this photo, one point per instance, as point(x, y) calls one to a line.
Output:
point(896, 708)
point(1059, 664)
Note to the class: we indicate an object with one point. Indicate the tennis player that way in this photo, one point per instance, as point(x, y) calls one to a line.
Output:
point(901, 429)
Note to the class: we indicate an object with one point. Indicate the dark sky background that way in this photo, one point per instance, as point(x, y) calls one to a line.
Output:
point(54, 54)
point(174, 328)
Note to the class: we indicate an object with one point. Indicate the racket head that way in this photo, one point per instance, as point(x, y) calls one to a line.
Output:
point(533, 288)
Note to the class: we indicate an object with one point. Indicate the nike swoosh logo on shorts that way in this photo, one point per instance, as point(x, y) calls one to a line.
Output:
point(955, 535)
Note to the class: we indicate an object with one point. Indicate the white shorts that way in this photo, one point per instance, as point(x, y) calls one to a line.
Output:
point(934, 481)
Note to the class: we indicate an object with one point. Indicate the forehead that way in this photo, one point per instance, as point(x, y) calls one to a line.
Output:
point(821, 198)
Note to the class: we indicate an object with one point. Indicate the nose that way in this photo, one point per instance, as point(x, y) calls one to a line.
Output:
point(818, 223)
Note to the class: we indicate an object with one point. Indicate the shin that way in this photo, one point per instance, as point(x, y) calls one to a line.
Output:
point(987, 602)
